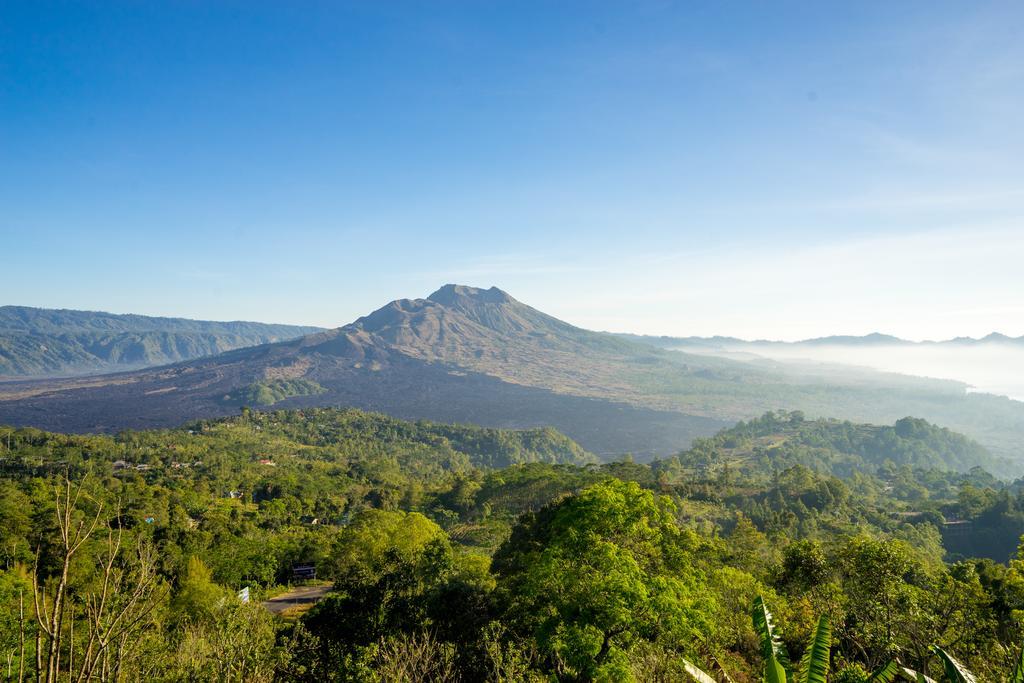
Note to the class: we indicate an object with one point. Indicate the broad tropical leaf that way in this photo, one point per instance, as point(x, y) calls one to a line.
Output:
point(815, 662)
point(723, 675)
point(885, 674)
point(912, 675)
point(1018, 668)
point(776, 659)
point(696, 673)
point(955, 671)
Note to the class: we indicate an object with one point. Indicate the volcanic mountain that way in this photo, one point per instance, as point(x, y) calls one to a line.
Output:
point(460, 355)
point(478, 355)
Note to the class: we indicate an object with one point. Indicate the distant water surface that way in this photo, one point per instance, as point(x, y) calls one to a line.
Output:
point(991, 368)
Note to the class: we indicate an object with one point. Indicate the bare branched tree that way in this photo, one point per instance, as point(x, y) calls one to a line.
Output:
point(114, 613)
point(417, 658)
point(51, 617)
point(118, 610)
point(235, 646)
point(21, 636)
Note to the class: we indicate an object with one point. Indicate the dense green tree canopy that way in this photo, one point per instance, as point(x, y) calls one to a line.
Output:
point(590, 576)
point(470, 554)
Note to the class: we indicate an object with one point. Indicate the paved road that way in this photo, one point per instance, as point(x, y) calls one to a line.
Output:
point(303, 595)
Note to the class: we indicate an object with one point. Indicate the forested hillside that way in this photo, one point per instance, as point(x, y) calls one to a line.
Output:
point(461, 553)
point(780, 439)
point(45, 342)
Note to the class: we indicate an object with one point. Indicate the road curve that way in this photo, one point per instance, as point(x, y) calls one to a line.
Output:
point(303, 595)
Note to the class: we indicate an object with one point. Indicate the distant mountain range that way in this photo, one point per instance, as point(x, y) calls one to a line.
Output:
point(480, 356)
point(47, 342)
point(873, 339)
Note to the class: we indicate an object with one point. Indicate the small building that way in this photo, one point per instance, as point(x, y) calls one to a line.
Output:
point(268, 462)
point(957, 528)
point(120, 465)
point(303, 572)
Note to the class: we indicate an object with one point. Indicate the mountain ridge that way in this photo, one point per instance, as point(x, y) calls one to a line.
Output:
point(66, 342)
point(872, 338)
point(465, 354)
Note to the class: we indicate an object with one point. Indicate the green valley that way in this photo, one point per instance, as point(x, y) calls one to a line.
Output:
point(466, 553)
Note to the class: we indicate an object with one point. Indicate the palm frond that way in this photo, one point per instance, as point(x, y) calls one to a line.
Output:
point(885, 674)
point(955, 671)
point(696, 673)
point(912, 675)
point(1018, 668)
point(815, 662)
point(776, 659)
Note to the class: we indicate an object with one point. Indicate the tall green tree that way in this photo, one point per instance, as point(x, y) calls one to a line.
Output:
point(590, 577)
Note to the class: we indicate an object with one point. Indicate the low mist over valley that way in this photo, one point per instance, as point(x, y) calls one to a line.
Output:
point(993, 364)
point(988, 367)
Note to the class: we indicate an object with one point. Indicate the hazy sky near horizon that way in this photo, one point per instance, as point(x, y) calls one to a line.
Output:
point(762, 170)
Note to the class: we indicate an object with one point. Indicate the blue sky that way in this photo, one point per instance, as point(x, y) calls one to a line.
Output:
point(777, 170)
